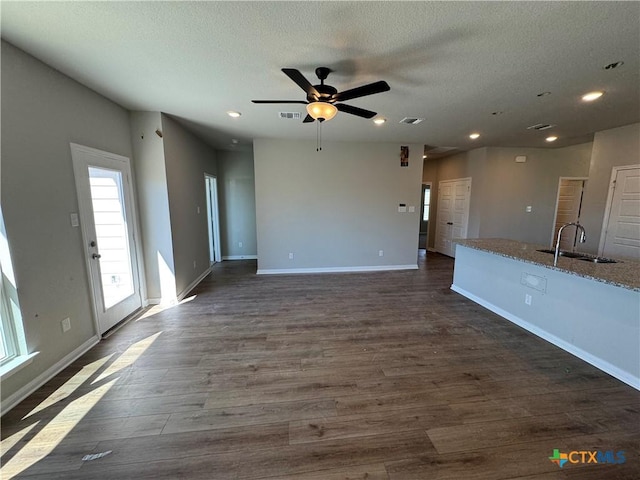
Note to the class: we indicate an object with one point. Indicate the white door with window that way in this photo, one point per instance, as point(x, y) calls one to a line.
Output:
point(621, 235)
point(105, 198)
point(453, 213)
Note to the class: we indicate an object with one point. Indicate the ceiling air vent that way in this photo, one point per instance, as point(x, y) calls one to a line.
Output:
point(290, 115)
point(540, 126)
point(411, 120)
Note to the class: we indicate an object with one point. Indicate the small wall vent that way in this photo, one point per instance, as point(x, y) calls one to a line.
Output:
point(540, 126)
point(411, 120)
point(290, 115)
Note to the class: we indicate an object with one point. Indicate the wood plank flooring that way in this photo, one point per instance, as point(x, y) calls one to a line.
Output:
point(387, 375)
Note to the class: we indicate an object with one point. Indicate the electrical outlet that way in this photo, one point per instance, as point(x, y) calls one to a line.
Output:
point(198, 210)
point(240, 244)
point(290, 255)
point(381, 253)
point(194, 264)
point(527, 299)
point(66, 325)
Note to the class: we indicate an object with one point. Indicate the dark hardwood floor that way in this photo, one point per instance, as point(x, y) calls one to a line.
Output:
point(374, 376)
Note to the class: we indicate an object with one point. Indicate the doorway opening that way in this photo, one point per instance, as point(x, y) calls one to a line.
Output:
point(568, 210)
point(423, 239)
point(213, 222)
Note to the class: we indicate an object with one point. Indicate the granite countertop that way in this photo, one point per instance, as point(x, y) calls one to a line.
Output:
point(625, 273)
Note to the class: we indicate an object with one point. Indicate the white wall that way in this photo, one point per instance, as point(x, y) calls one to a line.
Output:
point(501, 189)
point(611, 148)
point(236, 194)
point(42, 112)
point(336, 208)
point(153, 204)
point(187, 159)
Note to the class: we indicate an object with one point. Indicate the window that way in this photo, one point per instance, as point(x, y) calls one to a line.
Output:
point(426, 202)
point(13, 347)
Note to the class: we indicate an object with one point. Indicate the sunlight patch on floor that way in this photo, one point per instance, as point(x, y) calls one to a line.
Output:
point(53, 433)
point(70, 385)
point(128, 357)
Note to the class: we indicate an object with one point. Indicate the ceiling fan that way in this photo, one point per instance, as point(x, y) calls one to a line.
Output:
point(322, 100)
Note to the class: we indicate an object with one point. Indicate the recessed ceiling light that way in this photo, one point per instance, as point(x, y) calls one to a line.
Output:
point(473, 136)
point(591, 96)
point(233, 114)
point(379, 121)
point(552, 138)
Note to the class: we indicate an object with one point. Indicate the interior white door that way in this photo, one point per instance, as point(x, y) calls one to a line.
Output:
point(569, 204)
point(105, 199)
point(622, 229)
point(453, 213)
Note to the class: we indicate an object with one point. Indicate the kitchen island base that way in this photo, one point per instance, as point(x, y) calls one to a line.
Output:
point(593, 320)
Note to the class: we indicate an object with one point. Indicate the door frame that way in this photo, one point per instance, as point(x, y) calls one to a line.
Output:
point(609, 204)
point(555, 213)
point(213, 219)
point(430, 185)
point(138, 269)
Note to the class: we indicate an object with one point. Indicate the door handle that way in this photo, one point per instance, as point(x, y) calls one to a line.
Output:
point(95, 256)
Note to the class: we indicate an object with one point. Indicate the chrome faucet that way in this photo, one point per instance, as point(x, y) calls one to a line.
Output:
point(583, 238)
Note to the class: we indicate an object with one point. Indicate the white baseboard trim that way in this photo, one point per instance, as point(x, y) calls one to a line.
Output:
point(374, 268)
point(597, 362)
point(240, 257)
point(13, 400)
point(192, 285)
point(154, 301)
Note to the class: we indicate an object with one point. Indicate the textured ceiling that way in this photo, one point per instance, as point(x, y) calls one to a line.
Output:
point(452, 63)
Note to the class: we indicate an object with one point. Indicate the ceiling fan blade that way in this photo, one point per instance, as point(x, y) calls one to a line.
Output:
point(280, 101)
point(301, 81)
point(360, 112)
point(308, 119)
point(369, 89)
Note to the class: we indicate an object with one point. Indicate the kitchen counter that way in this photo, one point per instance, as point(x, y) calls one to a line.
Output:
point(625, 273)
point(589, 310)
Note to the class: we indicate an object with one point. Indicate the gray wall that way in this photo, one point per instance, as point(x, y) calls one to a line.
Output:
point(501, 189)
point(336, 208)
point(153, 205)
point(611, 148)
point(42, 112)
point(187, 159)
point(237, 199)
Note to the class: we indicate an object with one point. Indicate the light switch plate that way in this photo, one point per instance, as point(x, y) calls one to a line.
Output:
point(412, 209)
point(402, 209)
point(75, 221)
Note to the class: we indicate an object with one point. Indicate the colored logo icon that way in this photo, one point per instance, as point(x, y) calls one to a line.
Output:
point(558, 458)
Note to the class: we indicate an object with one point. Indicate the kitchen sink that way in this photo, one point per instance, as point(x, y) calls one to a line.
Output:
point(563, 253)
point(597, 259)
point(580, 256)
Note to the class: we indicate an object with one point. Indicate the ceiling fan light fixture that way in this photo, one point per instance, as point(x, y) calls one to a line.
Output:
point(379, 121)
point(322, 111)
point(474, 135)
point(233, 114)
